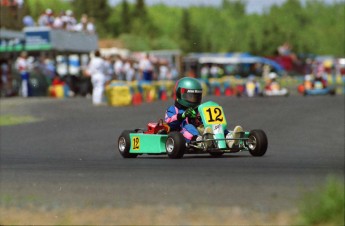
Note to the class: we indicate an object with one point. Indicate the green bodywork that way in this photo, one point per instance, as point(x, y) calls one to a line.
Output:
point(147, 143)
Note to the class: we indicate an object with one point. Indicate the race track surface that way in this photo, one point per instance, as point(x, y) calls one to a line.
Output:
point(70, 159)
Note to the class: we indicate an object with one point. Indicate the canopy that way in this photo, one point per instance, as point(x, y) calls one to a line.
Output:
point(239, 59)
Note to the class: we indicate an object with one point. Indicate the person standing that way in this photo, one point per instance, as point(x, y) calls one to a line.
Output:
point(146, 68)
point(97, 71)
point(118, 68)
point(164, 73)
point(23, 66)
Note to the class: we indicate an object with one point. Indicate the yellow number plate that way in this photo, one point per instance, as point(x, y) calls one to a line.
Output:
point(136, 143)
point(214, 115)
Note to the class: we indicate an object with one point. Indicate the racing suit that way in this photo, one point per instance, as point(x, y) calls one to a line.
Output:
point(173, 116)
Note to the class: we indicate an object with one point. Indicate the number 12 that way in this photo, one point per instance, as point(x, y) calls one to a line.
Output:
point(217, 113)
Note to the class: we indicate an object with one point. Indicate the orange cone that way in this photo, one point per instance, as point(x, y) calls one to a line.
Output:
point(217, 91)
point(137, 99)
point(164, 95)
point(228, 91)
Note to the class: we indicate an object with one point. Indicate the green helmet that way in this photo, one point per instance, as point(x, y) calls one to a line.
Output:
point(188, 92)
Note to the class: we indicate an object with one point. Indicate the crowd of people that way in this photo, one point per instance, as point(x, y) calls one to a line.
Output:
point(62, 20)
point(102, 70)
point(146, 68)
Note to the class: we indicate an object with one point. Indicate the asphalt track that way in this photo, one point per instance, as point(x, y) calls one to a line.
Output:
point(69, 158)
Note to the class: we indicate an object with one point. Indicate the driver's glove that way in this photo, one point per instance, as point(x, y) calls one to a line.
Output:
point(190, 113)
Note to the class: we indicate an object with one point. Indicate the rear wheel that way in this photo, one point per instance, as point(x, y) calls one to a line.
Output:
point(175, 145)
point(124, 144)
point(257, 143)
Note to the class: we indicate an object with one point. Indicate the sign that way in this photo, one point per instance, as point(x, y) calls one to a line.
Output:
point(38, 40)
point(11, 45)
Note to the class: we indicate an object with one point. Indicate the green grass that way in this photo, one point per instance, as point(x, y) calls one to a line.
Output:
point(325, 206)
point(7, 120)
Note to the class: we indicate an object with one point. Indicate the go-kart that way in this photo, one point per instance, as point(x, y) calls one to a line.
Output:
point(157, 138)
point(317, 88)
point(275, 93)
point(275, 90)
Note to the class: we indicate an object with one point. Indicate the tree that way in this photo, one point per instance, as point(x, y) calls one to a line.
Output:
point(185, 31)
point(141, 23)
point(140, 9)
point(236, 8)
point(125, 17)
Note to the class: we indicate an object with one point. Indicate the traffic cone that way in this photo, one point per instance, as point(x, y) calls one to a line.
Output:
point(217, 91)
point(149, 96)
point(137, 99)
point(228, 91)
point(164, 96)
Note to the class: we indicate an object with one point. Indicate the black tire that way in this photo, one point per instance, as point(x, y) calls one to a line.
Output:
point(124, 144)
point(257, 143)
point(216, 154)
point(175, 145)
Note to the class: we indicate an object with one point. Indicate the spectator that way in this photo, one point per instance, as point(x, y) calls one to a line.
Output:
point(284, 49)
point(164, 73)
point(97, 71)
point(23, 67)
point(90, 27)
point(205, 72)
point(28, 21)
point(70, 20)
point(82, 25)
point(118, 68)
point(146, 68)
point(173, 72)
point(50, 69)
point(5, 86)
point(46, 19)
point(109, 69)
point(129, 71)
point(214, 71)
point(59, 22)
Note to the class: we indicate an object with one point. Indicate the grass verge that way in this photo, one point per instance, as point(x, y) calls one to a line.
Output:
point(325, 206)
point(8, 120)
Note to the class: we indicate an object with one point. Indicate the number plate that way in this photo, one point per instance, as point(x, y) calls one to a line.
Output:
point(136, 143)
point(214, 115)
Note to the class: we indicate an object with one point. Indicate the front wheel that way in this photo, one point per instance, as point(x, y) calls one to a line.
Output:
point(175, 145)
point(257, 142)
point(124, 144)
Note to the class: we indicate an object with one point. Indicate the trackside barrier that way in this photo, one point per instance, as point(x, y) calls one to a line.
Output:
point(119, 94)
point(58, 91)
point(165, 89)
point(205, 87)
point(338, 81)
point(215, 86)
point(137, 97)
point(149, 91)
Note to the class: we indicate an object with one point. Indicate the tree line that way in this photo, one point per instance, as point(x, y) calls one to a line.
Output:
point(311, 27)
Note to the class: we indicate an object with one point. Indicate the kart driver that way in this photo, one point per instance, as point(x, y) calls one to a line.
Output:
point(183, 115)
point(272, 85)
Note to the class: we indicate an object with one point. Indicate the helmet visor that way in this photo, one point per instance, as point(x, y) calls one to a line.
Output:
point(192, 95)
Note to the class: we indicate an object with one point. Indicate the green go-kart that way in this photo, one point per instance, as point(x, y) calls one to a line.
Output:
point(157, 139)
